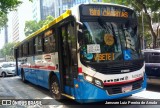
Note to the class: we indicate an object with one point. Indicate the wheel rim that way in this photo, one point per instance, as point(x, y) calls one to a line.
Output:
point(55, 88)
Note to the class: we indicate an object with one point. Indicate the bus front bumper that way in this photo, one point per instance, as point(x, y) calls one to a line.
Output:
point(87, 92)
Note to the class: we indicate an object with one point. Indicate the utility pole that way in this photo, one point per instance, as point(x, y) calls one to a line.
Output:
point(158, 25)
point(158, 29)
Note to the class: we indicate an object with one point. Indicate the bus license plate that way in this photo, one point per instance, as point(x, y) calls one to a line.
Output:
point(126, 88)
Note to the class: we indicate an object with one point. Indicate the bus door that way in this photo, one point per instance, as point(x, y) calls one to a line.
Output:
point(68, 57)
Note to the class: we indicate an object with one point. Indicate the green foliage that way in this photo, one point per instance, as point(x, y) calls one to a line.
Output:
point(8, 5)
point(122, 2)
point(32, 26)
point(3, 20)
point(150, 7)
point(5, 7)
point(48, 20)
point(156, 17)
point(7, 49)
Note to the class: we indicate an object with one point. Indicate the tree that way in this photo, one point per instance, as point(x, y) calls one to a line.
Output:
point(122, 2)
point(48, 20)
point(150, 7)
point(32, 26)
point(7, 49)
point(3, 20)
point(5, 7)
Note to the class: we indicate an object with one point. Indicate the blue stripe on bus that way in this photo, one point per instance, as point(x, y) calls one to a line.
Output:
point(88, 92)
point(37, 77)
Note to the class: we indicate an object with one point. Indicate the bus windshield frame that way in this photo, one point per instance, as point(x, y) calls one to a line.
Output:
point(128, 43)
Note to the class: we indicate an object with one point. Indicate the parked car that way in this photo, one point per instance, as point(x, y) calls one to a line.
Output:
point(7, 69)
point(152, 65)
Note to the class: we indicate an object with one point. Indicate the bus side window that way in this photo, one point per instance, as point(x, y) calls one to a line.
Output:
point(20, 51)
point(25, 49)
point(31, 48)
point(49, 42)
point(38, 45)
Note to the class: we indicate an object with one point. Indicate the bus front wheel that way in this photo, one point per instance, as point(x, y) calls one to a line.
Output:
point(55, 88)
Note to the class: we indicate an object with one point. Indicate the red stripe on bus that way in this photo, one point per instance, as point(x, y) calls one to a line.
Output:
point(79, 69)
point(40, 67)
point(25, 66)
point(124, 82)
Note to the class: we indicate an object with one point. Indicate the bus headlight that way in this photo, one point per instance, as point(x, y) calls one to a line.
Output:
point(94, 81)
point(89, 78)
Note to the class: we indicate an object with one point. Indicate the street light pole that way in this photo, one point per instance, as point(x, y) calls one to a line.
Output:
point(158, 26)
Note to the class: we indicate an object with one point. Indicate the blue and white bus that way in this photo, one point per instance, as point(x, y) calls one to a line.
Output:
point(89, 53)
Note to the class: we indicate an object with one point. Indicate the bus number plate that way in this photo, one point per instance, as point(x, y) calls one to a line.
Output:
point(126, 88)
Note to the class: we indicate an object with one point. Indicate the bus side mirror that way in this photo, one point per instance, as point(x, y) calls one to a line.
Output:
point(80, 24)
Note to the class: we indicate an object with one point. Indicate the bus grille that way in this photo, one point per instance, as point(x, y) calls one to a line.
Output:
point(117, 68)
point(118, 88)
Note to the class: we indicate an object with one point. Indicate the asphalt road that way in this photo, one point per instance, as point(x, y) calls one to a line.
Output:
point(14, 88)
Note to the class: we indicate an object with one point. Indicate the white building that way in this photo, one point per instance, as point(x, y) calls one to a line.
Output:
point(17, 19)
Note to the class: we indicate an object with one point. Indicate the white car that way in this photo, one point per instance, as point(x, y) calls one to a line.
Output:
point(7, 69)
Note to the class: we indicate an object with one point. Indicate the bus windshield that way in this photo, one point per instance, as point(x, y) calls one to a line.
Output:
point(109, 41)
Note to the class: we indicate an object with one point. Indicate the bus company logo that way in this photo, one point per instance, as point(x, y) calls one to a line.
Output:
point(124, 71)
point(47, 57)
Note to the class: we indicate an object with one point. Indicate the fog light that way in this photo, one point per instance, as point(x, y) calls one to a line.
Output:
point(98, 82)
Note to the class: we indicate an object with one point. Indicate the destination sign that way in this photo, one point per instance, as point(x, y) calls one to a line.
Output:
point(106, 10)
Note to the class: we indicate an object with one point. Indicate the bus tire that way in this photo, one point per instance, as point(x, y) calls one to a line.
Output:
point(55, 88)
point(23, 76)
